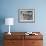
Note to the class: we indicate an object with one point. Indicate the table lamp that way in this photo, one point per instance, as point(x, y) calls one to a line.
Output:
point(9, 21)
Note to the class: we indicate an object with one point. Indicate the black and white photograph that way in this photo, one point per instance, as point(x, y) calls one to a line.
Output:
point(26, 15)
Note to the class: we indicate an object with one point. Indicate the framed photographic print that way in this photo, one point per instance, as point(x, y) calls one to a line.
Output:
point(26, 15)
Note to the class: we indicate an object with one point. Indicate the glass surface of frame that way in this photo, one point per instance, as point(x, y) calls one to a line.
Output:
point(26, 15)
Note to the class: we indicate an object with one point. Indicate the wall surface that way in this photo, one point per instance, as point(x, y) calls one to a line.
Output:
point(9, 8)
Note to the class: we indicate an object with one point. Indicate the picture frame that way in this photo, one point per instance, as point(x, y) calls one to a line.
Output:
point(26, 15)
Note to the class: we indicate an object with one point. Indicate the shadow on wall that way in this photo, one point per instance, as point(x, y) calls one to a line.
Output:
point(2, 21)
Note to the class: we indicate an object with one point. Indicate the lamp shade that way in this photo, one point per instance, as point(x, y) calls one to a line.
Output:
point(9, 21)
